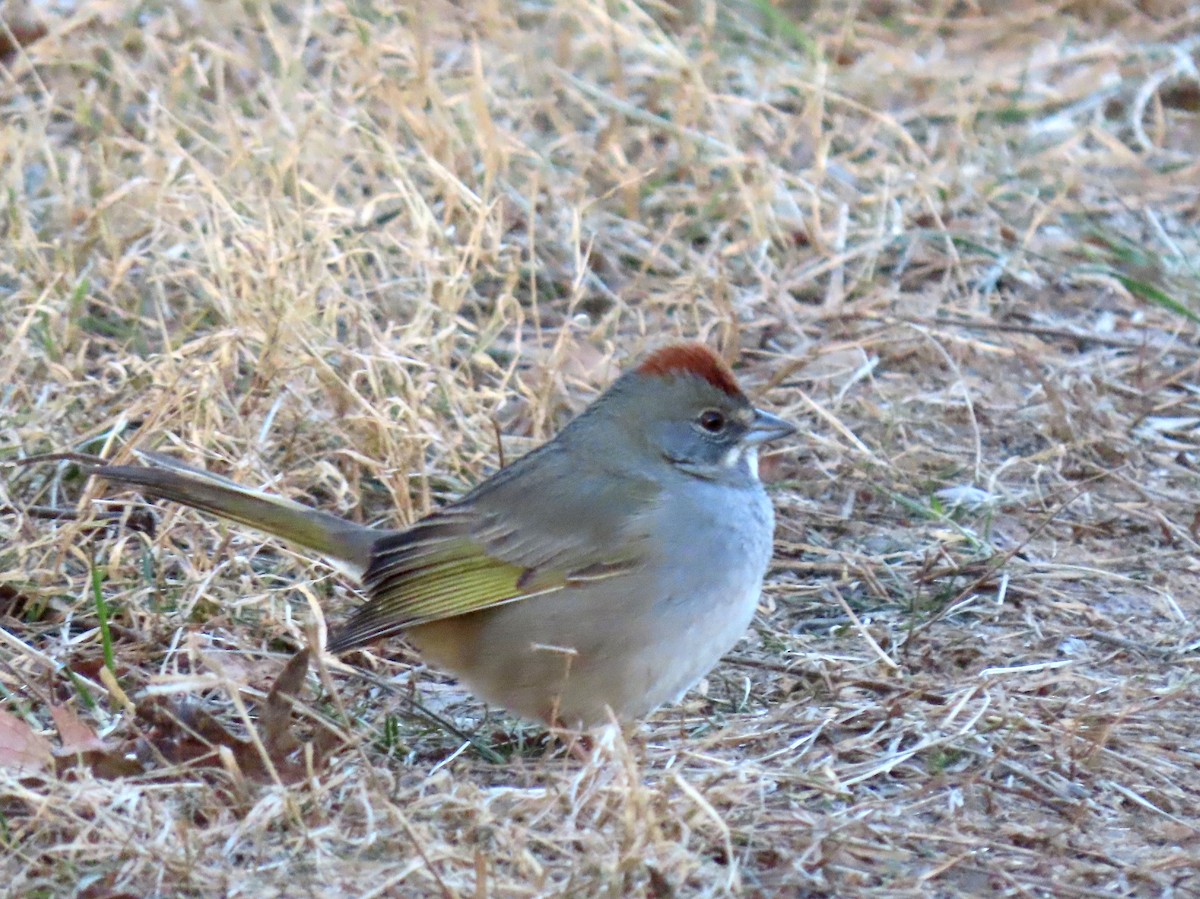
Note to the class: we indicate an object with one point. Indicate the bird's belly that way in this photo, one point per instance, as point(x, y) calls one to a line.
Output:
point(559, 658)
point(618, 647)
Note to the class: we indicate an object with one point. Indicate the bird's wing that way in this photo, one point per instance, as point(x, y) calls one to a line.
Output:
point(496, 547)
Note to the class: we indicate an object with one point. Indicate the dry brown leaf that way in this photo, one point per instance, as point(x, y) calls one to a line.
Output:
point(76, 736)
point(21, 747)
point(184, 733)
point(277, 713)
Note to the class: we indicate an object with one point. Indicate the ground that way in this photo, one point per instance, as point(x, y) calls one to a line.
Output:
point(360, 253)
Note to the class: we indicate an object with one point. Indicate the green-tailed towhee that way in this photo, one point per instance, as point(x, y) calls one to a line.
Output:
point(607, 570)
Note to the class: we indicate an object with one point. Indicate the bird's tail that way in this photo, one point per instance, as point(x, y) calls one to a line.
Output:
point(344, 543)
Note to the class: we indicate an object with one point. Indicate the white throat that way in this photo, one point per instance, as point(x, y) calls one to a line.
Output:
point(743, 456)
point(751, 457)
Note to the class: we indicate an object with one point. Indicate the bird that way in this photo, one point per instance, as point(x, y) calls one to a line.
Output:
point(598, 577)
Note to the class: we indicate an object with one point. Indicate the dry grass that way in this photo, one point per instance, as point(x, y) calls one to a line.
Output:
point(332, 248)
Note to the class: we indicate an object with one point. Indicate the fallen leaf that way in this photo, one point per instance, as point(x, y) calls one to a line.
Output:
point(76, 737)
point(277, 713)
point(184, 733)
point(21, 747)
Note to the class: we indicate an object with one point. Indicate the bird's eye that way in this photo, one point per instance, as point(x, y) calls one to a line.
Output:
point(712, 421)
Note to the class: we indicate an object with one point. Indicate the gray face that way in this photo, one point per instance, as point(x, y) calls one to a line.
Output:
point(707, 440)
point(710, 434)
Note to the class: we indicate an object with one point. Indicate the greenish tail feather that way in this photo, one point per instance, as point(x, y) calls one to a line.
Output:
point(336, 539)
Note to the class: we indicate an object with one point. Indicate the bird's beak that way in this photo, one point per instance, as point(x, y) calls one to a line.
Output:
point(765, 427)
